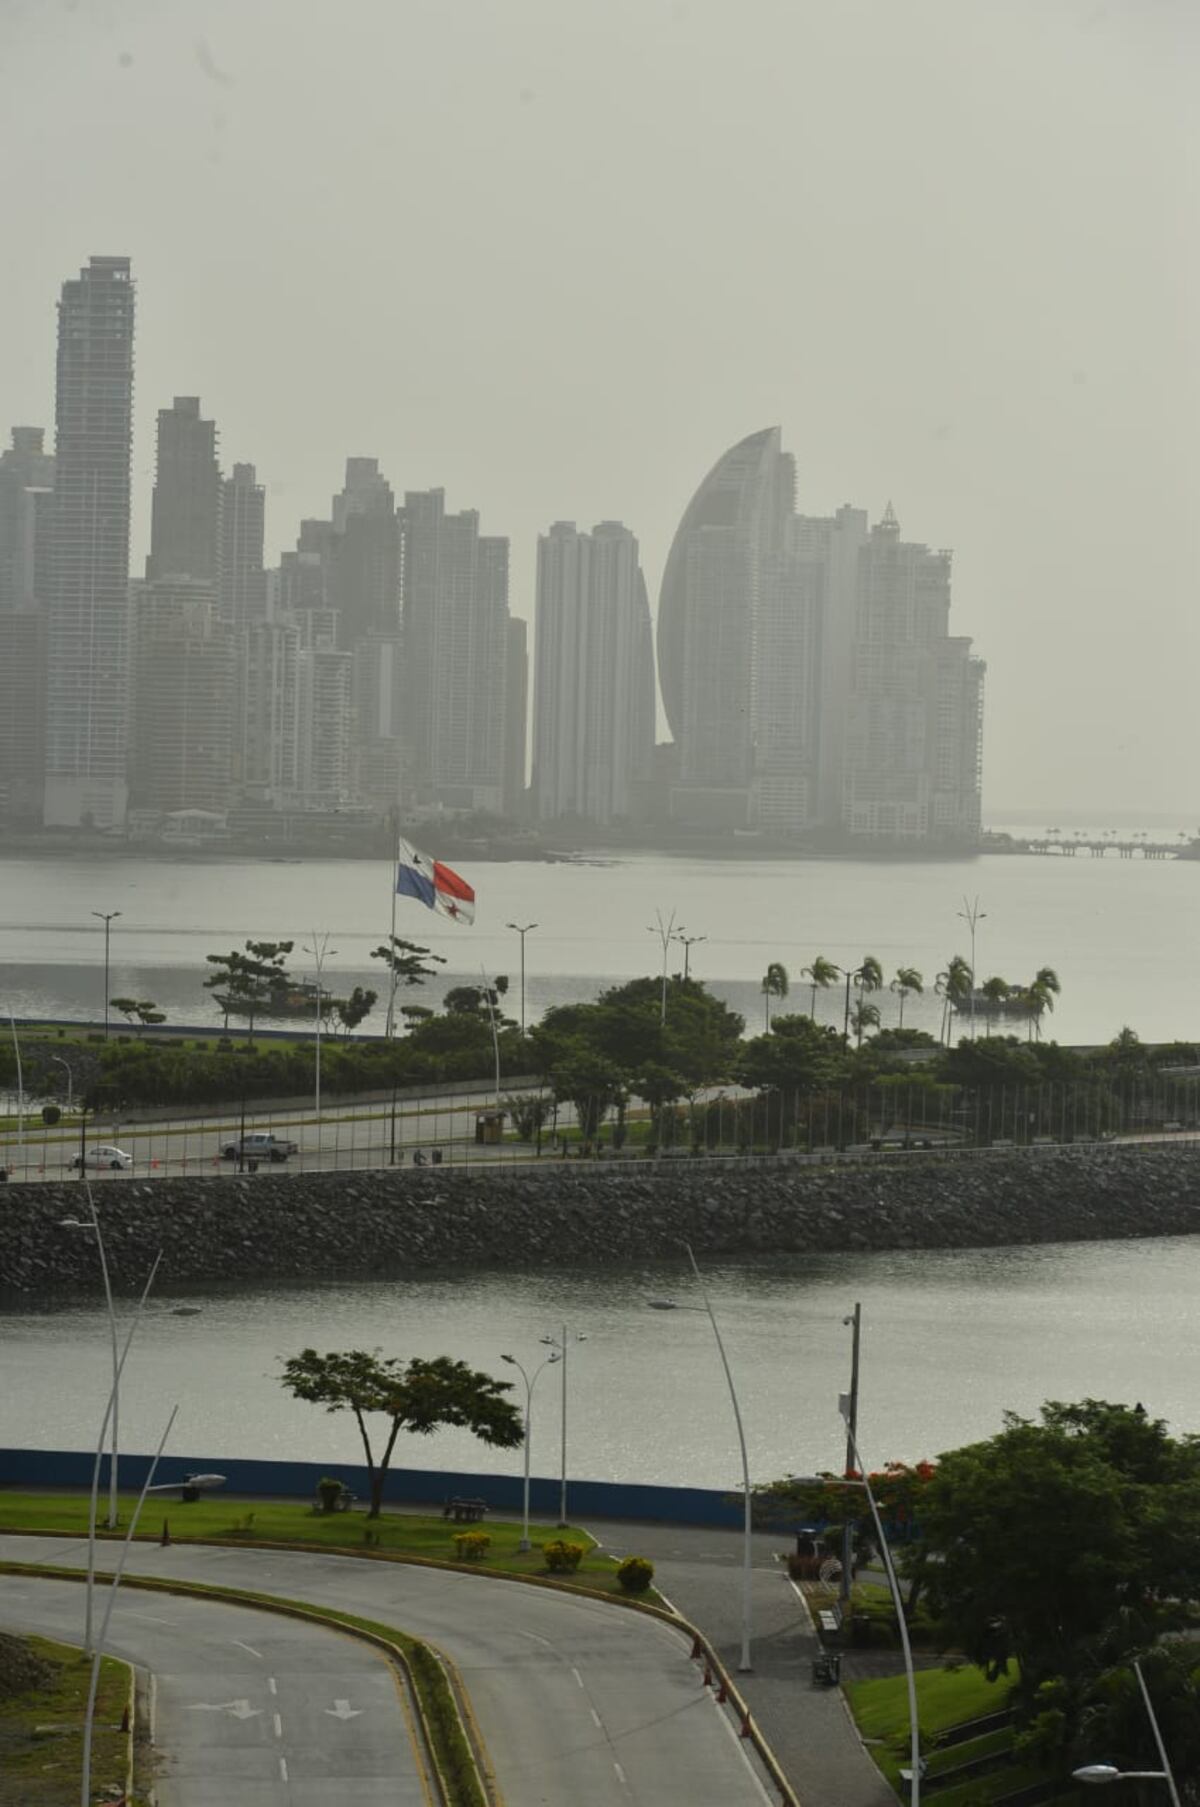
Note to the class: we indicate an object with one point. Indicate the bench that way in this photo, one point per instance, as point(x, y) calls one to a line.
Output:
point(827, 1669)
point(464, 1512)
point(829, 1621)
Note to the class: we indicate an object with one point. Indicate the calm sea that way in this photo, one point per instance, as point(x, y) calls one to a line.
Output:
point(1123, 935)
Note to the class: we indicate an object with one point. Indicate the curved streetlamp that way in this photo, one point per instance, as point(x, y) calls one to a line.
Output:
point(522, 929)
point(562, 1344)
point(1106, 1772)
point(972, 915)
point(107, 917)
point(744, 1664)
point(530, 1382)
point(93, 1228)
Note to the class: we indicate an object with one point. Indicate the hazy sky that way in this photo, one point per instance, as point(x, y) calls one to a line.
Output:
point(555, 255)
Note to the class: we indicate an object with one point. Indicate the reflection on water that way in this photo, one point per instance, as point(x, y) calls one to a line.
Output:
point(950, 1340)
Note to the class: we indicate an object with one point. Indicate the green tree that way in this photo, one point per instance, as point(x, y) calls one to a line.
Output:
point(407, 963)
point(351, 1011)
point(1057, 1538)
point(591, 1083)
point(129, 1007)
point(866, 978)
point(954, 988)
point(997, 992)
point(863, 1017)
point(907, 983)
point(420, 1396)
point(775, 984)
point(820, 975)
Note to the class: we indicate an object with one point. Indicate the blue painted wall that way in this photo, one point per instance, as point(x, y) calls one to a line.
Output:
point(53, 1468)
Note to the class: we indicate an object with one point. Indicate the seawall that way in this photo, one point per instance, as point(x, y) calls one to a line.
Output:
point(281, 1225)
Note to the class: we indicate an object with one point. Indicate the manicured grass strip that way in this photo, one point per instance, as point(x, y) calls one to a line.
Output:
point(945, 1697)
point(41, 1732)
point(254, 1523)
point(428, 1670)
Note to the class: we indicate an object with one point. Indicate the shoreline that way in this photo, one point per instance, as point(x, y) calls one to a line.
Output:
point(313, 1226)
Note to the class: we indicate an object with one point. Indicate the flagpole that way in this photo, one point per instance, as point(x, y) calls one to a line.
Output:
point(391, 1009)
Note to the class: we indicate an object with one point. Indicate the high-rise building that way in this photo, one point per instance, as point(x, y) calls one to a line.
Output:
point(455, 623)
point(706, 625)
point(267, 724)
point(183, 698)
point(913, 715)
point(186, 508)
point(807, 667)
point(87, 616)
point(324, 678)
point(516, 715)
point(365, 555)
point(593, 735)
point(26, 497)
point(241, 579)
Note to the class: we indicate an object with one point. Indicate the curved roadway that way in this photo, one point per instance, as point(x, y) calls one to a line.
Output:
point(577, 1701)
point(249, 1706)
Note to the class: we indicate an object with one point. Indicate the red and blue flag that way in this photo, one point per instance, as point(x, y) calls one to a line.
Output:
point(435, 885)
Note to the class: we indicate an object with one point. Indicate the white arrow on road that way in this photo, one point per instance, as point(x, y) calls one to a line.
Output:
point(341, 1709)
point(237, 1709)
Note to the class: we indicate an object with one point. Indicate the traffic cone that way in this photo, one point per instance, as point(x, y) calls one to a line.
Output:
point(744, 1732)
point(125, 1718)
point(697, 1648)
point(165, 1539)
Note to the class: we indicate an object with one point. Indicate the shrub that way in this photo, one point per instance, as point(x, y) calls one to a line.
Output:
point(563, 1558)
point(329, 1492)
point(471, 1546)
point(635, 1574)
point(50, 1113)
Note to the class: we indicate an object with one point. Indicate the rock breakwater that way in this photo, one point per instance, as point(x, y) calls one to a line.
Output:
point(293, 1226)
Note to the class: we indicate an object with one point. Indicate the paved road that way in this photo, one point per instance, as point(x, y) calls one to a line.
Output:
point(809, 1729)
point(249, 1707)
point(577, 1701)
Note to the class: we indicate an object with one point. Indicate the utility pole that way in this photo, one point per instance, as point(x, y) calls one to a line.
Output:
point(107, 917)
point(855, 1320)
point(687, 942)
point(664, 931)
point(522, 930)
point(972, 915)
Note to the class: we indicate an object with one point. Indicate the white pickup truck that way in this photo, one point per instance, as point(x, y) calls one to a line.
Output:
point(259, 1145)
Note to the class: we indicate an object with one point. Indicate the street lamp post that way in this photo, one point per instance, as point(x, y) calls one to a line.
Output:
point(530, 1382)
point(745, 1664)
point(522, 929)
point(972, 915)
point(562, 1344)
point(107, 917)
point(664, 931)
point(1105, 1772)
point(320, 951)
point(687, 942)
point(74, 1223)
point(897, 1602)
point(854, 1319)
point(59, 1062)
point(20, 1093)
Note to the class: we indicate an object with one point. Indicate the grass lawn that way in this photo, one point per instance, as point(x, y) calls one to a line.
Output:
point(945, 1697)
point(252, 1521)
point(41, 1732)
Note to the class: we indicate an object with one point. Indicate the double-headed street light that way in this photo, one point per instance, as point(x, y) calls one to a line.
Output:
point(530, 1382)
point(320, 951)
point(107, 917)
point(744, 1664)
point(522, 929)
point(972, 915)
point(687, 943)
point(562, 1344)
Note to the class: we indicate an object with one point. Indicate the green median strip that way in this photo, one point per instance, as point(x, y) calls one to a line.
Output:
point(945, 1698)
point(43, 1697)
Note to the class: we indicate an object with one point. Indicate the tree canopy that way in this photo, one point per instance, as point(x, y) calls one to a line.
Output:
point(420, 1395)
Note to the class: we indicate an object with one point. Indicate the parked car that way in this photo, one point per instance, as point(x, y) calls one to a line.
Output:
point(259, 1145)
point(102, 1154)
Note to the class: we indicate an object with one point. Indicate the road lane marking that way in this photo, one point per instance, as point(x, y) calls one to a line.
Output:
point(248, 1648)
point(577, 1676)
point(271, 1683)
point(596, 1719)
point(341, 1709)
point(620, 1774)
point(283, 1774)
point(150, 1618)
point(239, 1709)
point(278, 1724)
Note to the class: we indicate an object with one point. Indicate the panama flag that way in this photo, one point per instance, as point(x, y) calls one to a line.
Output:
point(435, 885)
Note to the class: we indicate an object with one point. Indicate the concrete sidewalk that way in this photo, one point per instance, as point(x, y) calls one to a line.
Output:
point(808, 1728)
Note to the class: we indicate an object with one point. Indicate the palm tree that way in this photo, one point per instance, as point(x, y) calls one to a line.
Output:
point(775, 984)
point(820, 975)
point(863, 1016)
point(1040, 996)
point(865, 978)
point(907, 982)
point(996, 991)
point(954, 988)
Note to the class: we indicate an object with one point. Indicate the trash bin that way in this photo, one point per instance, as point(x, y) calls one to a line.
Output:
point(436, 1157)
point(251, 1166)
point(489, 1126)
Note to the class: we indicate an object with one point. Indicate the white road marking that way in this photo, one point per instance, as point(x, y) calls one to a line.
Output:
point(596, 1719)
point(271, 1683)
point(341, 1709)
point(620, 1774)
point(150, 1618)
point(283, 1775)
point(577, 1676)
point(248, 1648)
point(278, 1724)
point(240, 1709)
